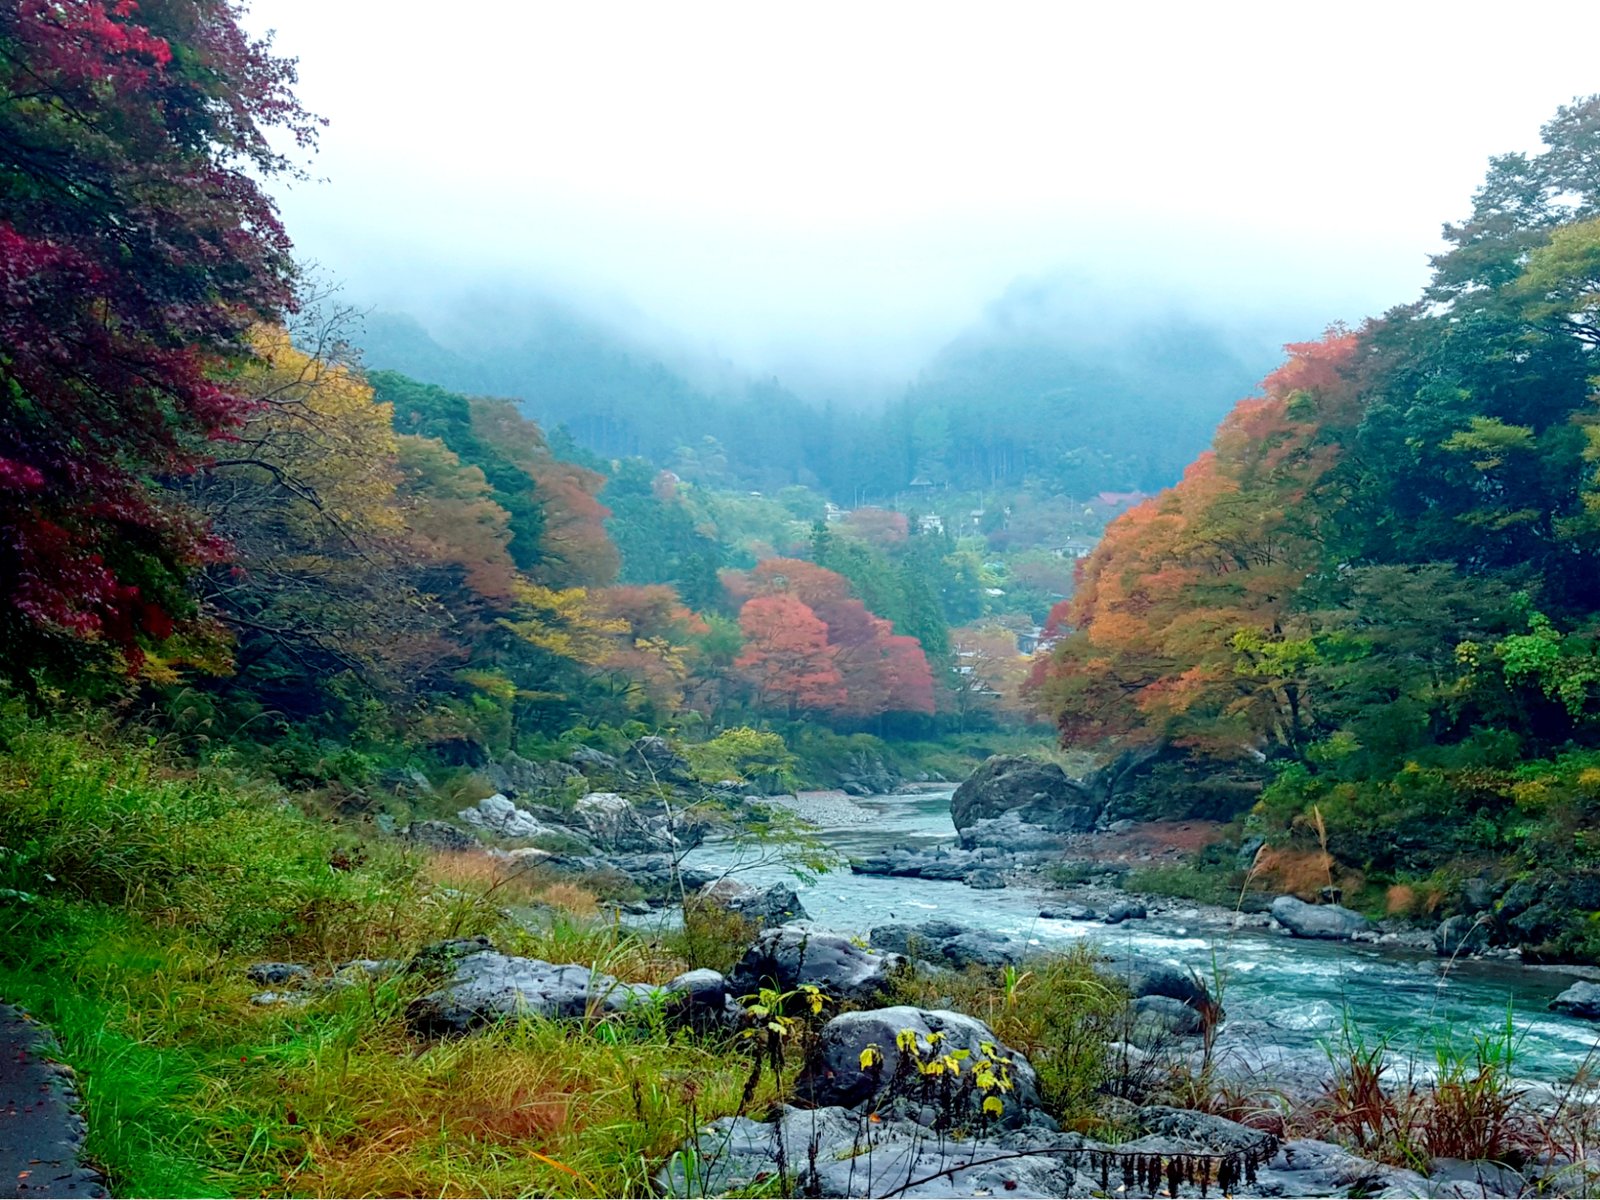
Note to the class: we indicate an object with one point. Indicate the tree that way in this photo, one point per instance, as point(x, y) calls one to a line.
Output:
point(137, 249)
point(879, 671)
point(988, 674)
point(660, 537)
point(786, 655)
point(1181, 625)
point(323, 576)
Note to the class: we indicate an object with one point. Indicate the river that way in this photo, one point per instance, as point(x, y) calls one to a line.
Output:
point(1285, 998)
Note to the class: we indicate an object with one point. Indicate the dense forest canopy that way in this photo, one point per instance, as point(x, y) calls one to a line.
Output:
point(1384, 577)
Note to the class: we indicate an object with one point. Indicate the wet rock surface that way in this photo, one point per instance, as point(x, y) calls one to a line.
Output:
point(767, 907)
point(837, 1151)
point(1039, 793)
point(1328, 922)
point(1579, 1000)
point(792, 956)
point(871, 1058)
point(946, 944)
point(486, 986)
point(498, 816)
point(1126, 910)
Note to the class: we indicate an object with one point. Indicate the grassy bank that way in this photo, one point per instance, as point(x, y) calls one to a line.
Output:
point(138, 891)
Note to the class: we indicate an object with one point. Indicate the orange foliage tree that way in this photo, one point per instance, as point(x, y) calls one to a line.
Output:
point(1183, 626)
point(787, 657)
point(879, 671)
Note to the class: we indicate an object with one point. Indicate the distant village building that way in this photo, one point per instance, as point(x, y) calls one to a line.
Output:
point(832, 513)
point(1030, 640)
point(931, 523)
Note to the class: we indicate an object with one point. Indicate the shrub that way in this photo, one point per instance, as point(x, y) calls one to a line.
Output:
point(1057, 1009)
point(712, 935)
point(745, 754)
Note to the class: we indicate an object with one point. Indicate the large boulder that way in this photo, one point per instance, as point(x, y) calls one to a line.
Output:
point(1328, 922)
point(939, 862)
point(1144, 976)
point(1212, 1132)
point(768, 907)
point(700, 998)
point(438, 835)
point(593, 762)
point(655, 759)
point(835, 1152)
point(1461, 934)
point(946, 944)
point(1125, 910)
point(792, 955)
point(1579, 1000)
point(1156, 1020)
point(865, 773)
point(1039, 793)
point(498, 816)
point(616, 825)
point(873, 1058)
point(486, 986)
point(521, 777)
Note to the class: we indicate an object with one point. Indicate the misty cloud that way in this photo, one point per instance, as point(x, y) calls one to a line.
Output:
point(839, 190)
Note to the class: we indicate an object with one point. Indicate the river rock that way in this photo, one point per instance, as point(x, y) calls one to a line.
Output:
point(487, 986)
point(947, 944)
point(834, 1152)
point(834, 1075)
point(1460, 935)
point(593, 762)
point(1144, 976)
point(1040, 793)
point(768, 908)
point(1159, 1019)
point(275, 974)
point(523, 777)
point(1069, 912)
point(1213, 1132)
point(985, 879)
point(1311, 1168)
point(1329, 922)
point(1125, 910)
point(439, 835)
point(659, 876)
point(497, 815)
point(792, 955)
point(700, 999)
point(942, 863)
point(615, 825)
point(1579, 1000)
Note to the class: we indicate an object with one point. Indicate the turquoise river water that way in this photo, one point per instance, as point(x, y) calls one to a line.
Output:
point(1285, 998)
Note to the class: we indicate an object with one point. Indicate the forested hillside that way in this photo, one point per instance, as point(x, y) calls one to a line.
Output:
point(1058, 384)
point(1383, 580)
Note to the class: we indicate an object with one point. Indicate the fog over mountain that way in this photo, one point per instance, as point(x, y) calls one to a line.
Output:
point(833, 198)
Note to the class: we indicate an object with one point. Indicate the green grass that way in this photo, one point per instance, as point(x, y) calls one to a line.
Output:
point(1188, 883)
point(142, 891)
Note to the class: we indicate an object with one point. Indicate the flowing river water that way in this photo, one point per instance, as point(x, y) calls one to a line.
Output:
point(1286, 998)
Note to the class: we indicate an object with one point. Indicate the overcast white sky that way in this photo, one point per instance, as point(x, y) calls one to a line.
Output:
point(856, 180)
